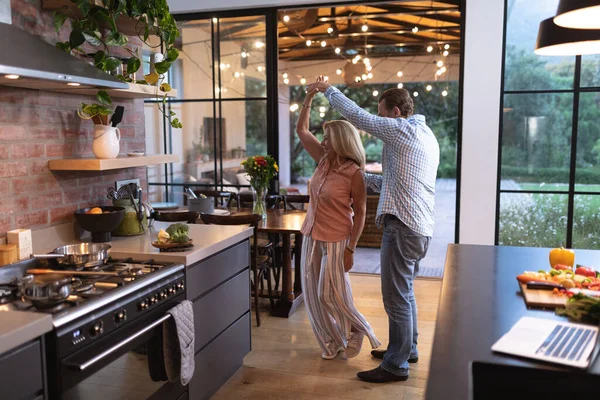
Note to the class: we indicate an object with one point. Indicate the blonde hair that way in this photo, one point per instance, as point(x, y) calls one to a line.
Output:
point(345, 141)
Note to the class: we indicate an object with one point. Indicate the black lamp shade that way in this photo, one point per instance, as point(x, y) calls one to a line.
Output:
point(554, 40)
point(578, 14)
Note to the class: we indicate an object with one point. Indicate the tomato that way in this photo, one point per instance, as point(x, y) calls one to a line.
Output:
point(562, 267)
point(585, 271)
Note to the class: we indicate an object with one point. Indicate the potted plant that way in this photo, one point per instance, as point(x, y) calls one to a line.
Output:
point(95, 25)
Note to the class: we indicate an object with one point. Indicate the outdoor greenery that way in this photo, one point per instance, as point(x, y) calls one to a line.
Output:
point(256, 117)
point(441, 114)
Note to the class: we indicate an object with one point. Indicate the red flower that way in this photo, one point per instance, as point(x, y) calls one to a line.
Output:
point(261, 162)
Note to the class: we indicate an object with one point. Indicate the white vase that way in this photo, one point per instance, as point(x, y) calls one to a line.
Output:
point(106, 141)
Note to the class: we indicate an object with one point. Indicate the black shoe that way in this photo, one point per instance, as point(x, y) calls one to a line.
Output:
point(380, 375)
point(380, 353)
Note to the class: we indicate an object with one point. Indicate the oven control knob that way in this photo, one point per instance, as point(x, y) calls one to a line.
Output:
point(153, 300)
point(180, 286)
point(121, 316)
point(172, 290)
point(97, 329)
point(143, 305)
point(163, 294)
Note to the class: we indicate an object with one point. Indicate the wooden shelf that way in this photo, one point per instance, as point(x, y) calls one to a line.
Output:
point(97, 164)
point(135, 91)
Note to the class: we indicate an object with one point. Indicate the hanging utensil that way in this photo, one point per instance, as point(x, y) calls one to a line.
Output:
point(117, 116)
point(138, 210)
point(111, 193)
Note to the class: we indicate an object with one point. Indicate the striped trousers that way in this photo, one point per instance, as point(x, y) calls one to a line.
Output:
point(328, 296)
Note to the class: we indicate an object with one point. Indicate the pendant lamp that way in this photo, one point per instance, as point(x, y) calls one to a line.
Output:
point(578, 14)
point(554, 40)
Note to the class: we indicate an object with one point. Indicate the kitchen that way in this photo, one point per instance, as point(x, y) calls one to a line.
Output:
point(41, 126)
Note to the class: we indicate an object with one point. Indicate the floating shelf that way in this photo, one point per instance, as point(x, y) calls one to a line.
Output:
point(135, 91)
point(97, 164)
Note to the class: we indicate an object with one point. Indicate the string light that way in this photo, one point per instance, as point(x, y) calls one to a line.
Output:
point(354, 61)
point(330, 30)
point(400, 85)
point(286, 18)
point(260, 68)
point(375, 93)
point(364, 28)
point(322, 109)
point(285, 75)
point(338, 71)
point(244, 54)
point(443, 69)
point(308, 42)
point(445, 53)
point(440, 64)
point(338, 50)
point(428, 88)
point(367, 61)
point(364, 77)
point(259, 45)
point(294, 107)
point(439, 72)
point(323, 43)
point(445, 93)
point(237, 74)
point(370, 75)
point(215, 20)
point(415, 29)
point(322, 115)
point(369, 68)
point(303, 81)
point(446, 46)
point(399, 74)
point(429, 49)
point(286, 81)
point(357, 79)
point(416, 94)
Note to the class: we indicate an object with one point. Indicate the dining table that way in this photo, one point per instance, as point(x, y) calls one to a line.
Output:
point(285, 223)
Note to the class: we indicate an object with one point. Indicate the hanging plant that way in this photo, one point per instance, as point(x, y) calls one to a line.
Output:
point(96, 23)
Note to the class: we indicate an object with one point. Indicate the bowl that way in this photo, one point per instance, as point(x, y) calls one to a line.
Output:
point(100, 225)
point(201, 205)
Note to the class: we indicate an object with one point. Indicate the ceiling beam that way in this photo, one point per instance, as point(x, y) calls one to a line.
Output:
point(353, 15)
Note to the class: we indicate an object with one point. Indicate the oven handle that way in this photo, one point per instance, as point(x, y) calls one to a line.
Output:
point(87, 364)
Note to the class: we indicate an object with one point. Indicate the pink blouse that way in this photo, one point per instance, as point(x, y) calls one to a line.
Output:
point(329, 216)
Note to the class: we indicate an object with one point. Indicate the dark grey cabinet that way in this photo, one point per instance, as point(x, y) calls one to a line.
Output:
point(219, 288)
point(21, 372)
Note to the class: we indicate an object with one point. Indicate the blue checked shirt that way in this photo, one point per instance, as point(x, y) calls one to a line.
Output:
point(410, 159)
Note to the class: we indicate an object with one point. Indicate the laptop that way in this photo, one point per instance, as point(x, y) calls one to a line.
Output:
point(565, 343)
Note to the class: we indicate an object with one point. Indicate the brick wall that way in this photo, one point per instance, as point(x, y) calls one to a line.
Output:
point(36, 126)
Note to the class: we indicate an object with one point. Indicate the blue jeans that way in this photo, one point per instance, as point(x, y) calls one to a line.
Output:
point(401, 251)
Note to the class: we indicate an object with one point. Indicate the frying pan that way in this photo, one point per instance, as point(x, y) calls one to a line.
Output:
point(76, 255)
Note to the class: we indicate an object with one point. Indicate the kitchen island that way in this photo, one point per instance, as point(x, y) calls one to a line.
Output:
point(480, 301)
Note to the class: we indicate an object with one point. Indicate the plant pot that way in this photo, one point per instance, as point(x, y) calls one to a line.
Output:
point(106, 141)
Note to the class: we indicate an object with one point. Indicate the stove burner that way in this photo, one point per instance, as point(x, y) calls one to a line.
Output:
point(7, 293)
point(133, 272)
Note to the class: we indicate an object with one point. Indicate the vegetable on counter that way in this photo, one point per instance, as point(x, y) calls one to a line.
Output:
point(585, 271)
point(178, 233)
point(582, 308)
point(163, 237)
point(562, 256)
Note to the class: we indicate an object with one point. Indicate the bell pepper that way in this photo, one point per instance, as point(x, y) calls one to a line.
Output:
point(561, 267)
point(562, 256)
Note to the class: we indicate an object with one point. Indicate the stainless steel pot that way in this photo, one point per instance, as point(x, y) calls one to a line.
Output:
point(45, 290)
point(76, 255)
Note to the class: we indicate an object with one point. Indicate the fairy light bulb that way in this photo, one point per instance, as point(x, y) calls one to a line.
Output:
point(439, 72)
point(286, 18)
point(369, 68)
point(354, 61)
point(260, 68)
point(357, 79)
point(364, 77)
point(445, 93)
point(294, 107)
point(258, 44)
point(338, 71)
point(364, 28)
point(416, 94)
point(375, 93)
point(429, 49)
point(367, 61)
point(215, 20)
point(370, 75)
point(222, 66)
point(443, 69)
point(440, 64)
point(415, 29)
point(445, 53)
point(338, 50)
point(323, 43)
point(330, 30)
point(399, 74)
point(236, 74)
point(286, 81)
point(308, 42)
point(285, 75)
point(428, 88)
point(400, 85)
point(322, 109)
point(303, 81)
point(446, 46)
point(244, 54)
point(322, 115)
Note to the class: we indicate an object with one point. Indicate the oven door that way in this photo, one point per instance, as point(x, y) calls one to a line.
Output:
point(127, 364)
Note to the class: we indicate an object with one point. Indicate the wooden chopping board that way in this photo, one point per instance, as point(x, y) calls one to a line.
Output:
point(542, 298)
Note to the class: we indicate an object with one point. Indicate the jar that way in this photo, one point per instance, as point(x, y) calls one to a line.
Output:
point(130, 226)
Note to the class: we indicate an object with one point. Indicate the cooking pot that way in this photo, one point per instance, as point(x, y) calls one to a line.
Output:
point(77, 255)
point(47, 290)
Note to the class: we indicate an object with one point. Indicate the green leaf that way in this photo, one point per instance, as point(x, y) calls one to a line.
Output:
point(162, 67)
point(59, 20)
point(115, 38)
point(84, 6)
point(99, 58)
point(103, 97)
point(172, 113)
point(172, 54)
point(176, 124)
point(112, 63)
point(133, 64)
point(92, 38)
point(141, 82)
point(76, 39)
point(64, 46)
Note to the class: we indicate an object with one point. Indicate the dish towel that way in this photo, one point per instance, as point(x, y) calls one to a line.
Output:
point(178, 345)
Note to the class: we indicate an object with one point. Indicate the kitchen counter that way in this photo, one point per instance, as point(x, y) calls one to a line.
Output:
point(480, 301)
point(18, 327)
point(207, 239)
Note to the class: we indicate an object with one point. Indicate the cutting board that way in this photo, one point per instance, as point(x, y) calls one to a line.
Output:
point(542, 298)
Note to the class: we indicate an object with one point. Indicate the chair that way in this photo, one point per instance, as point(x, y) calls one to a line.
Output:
point(222, 199)
point(259, 263)
point(177, 216)
point(292, 201)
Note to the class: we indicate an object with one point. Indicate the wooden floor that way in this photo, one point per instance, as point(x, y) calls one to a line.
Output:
point(286, 363)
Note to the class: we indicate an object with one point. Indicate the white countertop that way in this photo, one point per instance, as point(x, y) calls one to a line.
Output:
point(207, 239)
point(19, 327)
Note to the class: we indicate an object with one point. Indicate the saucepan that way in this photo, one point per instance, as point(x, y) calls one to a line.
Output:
point(46, 291)
point(87, 255)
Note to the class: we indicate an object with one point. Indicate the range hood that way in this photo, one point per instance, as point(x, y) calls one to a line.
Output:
point(35, 64)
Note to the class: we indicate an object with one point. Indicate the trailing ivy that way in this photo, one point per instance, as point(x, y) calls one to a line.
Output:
point(96, 26)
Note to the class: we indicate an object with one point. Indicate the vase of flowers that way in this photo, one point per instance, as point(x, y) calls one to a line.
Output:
point(260, 170)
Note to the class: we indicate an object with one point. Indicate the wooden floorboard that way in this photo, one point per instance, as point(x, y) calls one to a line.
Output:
point(285, 361)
